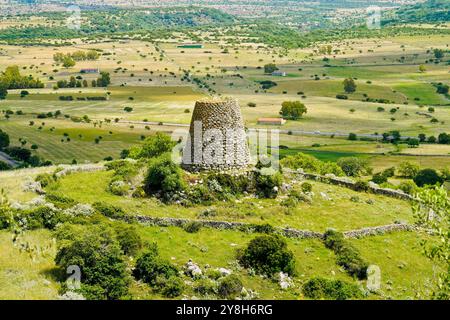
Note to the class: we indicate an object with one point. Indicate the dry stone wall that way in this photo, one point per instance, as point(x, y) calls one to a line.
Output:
point(217, 139)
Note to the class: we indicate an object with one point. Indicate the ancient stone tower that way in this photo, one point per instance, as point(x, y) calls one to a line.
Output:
point(217, 139)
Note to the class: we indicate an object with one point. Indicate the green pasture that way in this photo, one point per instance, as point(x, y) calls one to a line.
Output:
point(340, 213)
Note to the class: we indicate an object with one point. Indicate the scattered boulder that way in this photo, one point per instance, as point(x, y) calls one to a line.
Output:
point(284, 281)
point(192, 269)
point(225, 272)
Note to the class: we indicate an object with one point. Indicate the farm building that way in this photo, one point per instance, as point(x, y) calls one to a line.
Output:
point(272, 121)
point(90, 70)
point(279, 73)
point(190, 46)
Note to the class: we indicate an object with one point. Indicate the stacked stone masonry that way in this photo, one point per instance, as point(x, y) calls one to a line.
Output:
point(217, 139)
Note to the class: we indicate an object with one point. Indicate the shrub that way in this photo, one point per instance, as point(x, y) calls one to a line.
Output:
point(361, 186)
point(119, 188)
point(129, 239)
point(46, 217)
point(408, 187)
point(389, 173)
point(4, 166)
point(262, 228)
point(321, 288)
point(45, 179)
point(60, 201)
point(171, 287)
point(192, 227)
point(153, 146)
point(96, 251)
point(427, 177)
point(310, 164)
point(268, 254)
point(163, 176)
point(200, 194)
point(227, 183)
point(149, 266)
point(109, 210)
point(379, 178)
point(346, 255)
point(306, 187)
point(353, 166)
point(230, 287)
point(267, 186)
point(206, 287)
point(408, 169)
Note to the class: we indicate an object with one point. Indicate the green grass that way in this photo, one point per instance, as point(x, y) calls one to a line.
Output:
point(28, 276)
point(405, 272)
point(426, 92)
point(341, 213)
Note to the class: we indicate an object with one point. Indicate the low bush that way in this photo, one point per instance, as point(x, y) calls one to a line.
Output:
point(361, 186)
point(230, 287)
point(192, 227)
point(150, 266)
point(60, 201)
point(96, 251)
point(267, 185)
point(45, 179)
point(354, 167)
point(44, 217)
point(408, 187)
point(169, 287)
point(206, 287)
point(321, 288)
point(164, 177)
point(129, 239)
point(268, 254)
point(379, 178)
point(346, 255)
point(109, 210)
point(228, 183)
point(306, 187)
point(311, 164)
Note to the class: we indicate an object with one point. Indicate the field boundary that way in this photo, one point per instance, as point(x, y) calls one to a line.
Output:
point(287, 232)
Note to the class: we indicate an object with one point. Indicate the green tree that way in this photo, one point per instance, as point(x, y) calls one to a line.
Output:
point(413, 143)
point(96, 251)
point(163, 177)
point(269, 68)
point(438, 53)
point(68, 62)
point(427, 177)
point(408, 170)
point(3, 91)
point(293, 110)
point(349, 85)
point(268, 254)
point(104, 80)
point(432, 212)
point(354, 167)
point(153, 146)
point(4, 139)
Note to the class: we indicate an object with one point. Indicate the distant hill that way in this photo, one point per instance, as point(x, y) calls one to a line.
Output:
point(430, 11)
